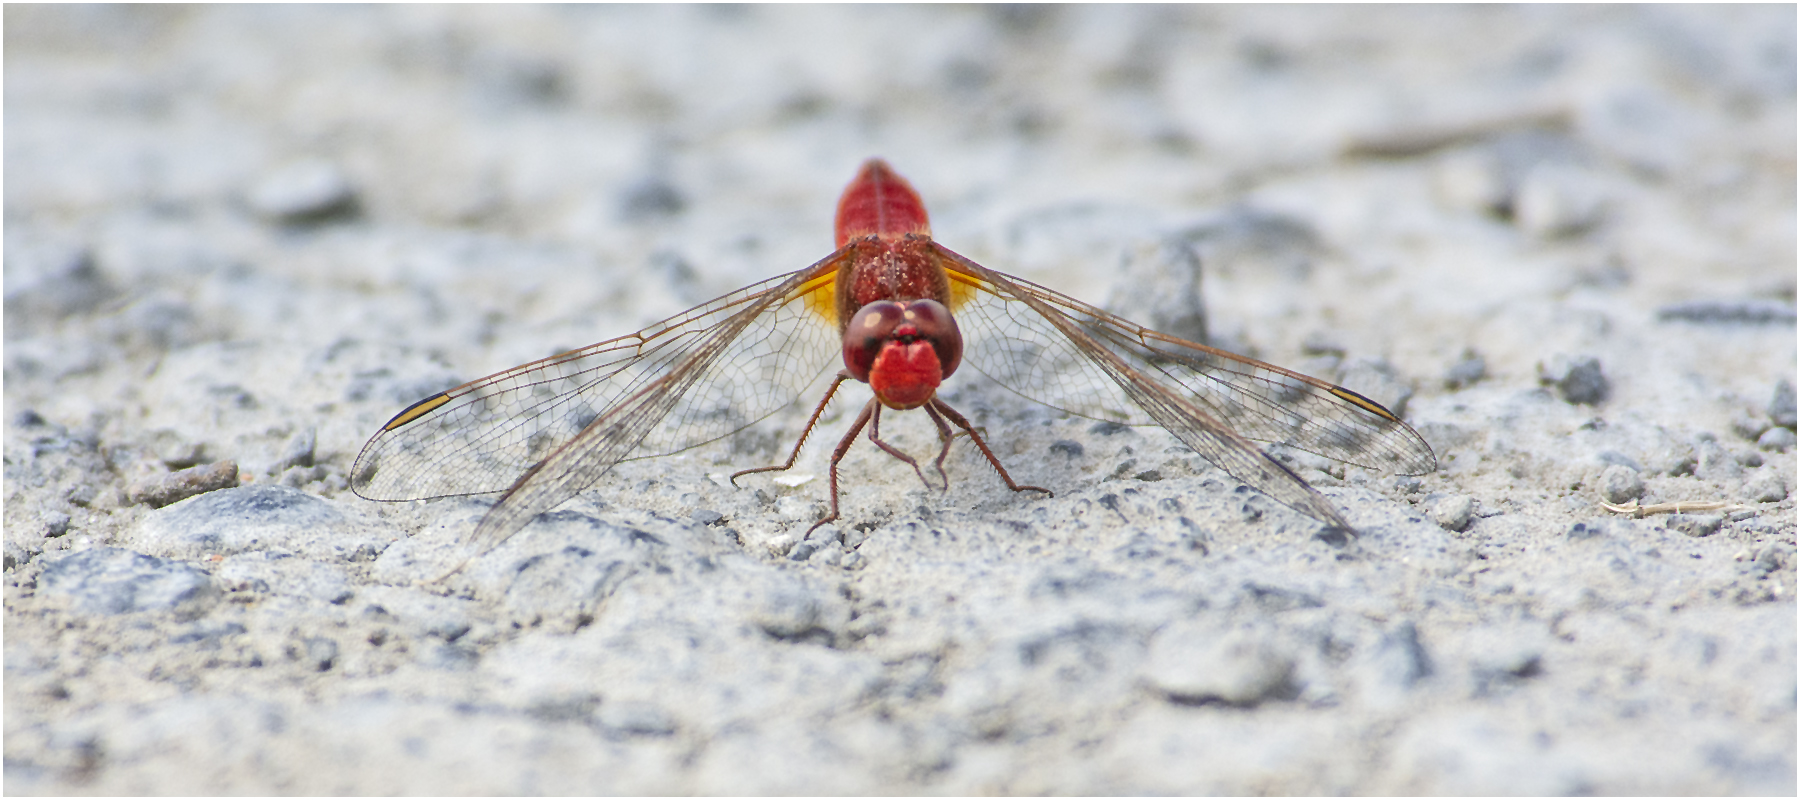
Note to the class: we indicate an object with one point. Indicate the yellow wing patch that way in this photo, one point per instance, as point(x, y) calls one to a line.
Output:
point(820, 295)
point(963, 287)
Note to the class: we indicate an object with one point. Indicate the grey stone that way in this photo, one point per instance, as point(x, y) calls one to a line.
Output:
point(1590, 529)
point(1197, 662)
point(1401, 660)
point(258, 517)
point(1453, 513)
point(707, 516)
point(649, 199)
point(1620, 485)
point(1715, 462)
point(1766, 487)
point(162, 490)
point(795, 611)
point(1748, 427)
point(297, 452)
point(1468, 370)
point(1577, 379)
point(1556, 200)
point(1159, 287)
point(110, 580)
point(319, 652)
point(635, 718)
point(56, 523)
point(305, 191)
point(1774, 556)
point(1781, 405)
point(1776, 439)
point(1695, 525)
point(1471, 180)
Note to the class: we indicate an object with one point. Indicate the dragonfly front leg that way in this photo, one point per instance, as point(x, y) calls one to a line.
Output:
point(872, 410)
point(875, 436)
point(805, 432)
point(937, 406)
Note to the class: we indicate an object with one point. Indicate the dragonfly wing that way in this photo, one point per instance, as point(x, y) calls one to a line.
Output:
point(1061, 352)
point(542, 432)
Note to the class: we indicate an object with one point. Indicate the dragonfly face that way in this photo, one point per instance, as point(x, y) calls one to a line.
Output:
point(899, 311)
point(903, 351)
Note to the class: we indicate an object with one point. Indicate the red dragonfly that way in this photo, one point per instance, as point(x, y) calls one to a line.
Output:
point(901, 313)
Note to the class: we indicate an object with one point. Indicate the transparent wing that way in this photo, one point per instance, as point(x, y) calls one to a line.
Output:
point(544, 431)
point(1069, 355)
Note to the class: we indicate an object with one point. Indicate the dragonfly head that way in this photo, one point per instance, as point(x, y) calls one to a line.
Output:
point(902, 350)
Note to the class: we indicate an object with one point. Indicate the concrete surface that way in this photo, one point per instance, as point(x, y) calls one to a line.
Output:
point(1562, 238)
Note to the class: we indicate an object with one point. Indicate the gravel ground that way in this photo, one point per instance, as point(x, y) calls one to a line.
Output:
point(1561, 239)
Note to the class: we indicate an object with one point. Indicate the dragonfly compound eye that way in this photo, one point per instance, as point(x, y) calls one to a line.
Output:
point(869, 329)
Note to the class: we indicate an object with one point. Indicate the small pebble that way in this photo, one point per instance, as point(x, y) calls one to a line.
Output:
point(1191, 663)
point(298, 452)
point(1619, 485)
point(1781, 406)
point(1774, 556)
point(1067, 448)
point(1715, 462)
point(1400, 661)
point(1695, 525)
point(1578, 379)
point(81, 494)
point(177, 486)
point(1748, 427)
point(635, 718)
point(56, 523)
point(707, 516)
point(1108, 428)
point(1778, 439)
point(1467, 371)
point(1767, 487)
point(297, 477)
point(306, 191)
point(1590, 529)
point(1558, 200)
point(1158, 285)
point(1454, 513)
point(321, 652)
point(652, 198)
point(1471, 181)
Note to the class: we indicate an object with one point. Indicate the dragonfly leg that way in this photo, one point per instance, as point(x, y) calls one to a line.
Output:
point(805, 432)
point(875, 436)
point(945, 437)
point(872, 410)
point(961, 422)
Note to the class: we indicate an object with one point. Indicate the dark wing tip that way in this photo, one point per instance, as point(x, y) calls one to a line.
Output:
point(416, 410)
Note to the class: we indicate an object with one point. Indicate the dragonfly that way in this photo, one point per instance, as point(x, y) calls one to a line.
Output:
point(891, 308)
